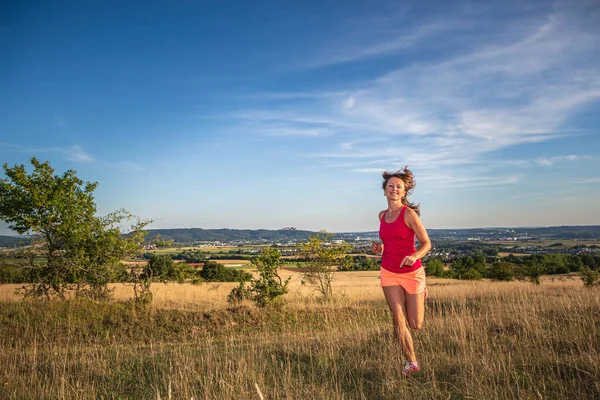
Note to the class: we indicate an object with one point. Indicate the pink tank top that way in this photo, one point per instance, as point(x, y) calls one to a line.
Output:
point(398, 242)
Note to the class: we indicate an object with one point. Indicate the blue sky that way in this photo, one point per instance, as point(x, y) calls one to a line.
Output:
point(266, 114)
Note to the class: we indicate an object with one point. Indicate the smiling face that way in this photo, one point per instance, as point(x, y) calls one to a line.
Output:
point(395, 189)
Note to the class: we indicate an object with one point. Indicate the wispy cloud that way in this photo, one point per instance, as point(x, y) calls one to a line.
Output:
point(549, 161)
point(369, 44)
point(76, 154)
point(518, 86)
point(73, 153)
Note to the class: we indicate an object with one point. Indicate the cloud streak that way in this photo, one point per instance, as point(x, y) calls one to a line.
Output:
point(520, 86)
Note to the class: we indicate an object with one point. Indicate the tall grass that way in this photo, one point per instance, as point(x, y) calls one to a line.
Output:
point(481, 340)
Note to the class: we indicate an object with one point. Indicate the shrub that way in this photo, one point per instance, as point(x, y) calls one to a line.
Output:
point(214, 272)
point(589, 277)
point(359, 263)
point(239, 294)
point(434, 267)
point(269, 287)
point(501, 271)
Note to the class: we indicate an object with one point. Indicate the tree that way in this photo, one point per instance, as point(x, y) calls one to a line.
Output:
point(589, 277)
point(434, 267)
point(268, 287)
point(501, 271)
point(212, 271)
point(322, 262)
point(533, 270)
point(72, 248)
point(162, 242)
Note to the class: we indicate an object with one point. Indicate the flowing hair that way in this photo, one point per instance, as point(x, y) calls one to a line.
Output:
point(409, 185)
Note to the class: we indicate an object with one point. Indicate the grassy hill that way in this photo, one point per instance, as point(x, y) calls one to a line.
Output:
point(12, 241)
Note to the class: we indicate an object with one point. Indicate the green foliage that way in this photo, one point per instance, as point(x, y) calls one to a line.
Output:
point(323, 260)
point(161, 267)
point(269, 287)
point(472, 274)
point(501, 271)
point(589, 277)
point(78, 250)
point(13, 269)
point(212, 271)
point(239, 294)
point(466, 268)
point(533, 270)
point(434, 267)
point(491, 251)
point(358, 263)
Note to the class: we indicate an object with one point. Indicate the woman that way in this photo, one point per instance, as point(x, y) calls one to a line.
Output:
point(402, 275)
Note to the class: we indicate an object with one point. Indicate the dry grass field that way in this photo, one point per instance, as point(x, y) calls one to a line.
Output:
point(481, 340)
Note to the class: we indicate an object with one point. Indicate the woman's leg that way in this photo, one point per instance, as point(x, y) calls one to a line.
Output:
point(415, 309)
point(395, 297)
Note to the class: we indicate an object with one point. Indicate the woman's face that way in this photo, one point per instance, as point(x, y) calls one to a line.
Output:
point(395, 190)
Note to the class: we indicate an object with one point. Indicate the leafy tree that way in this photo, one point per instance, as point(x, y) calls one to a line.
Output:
point(322, 262)
point(574, 263)
point(212, 271)
point(434, 267)
point(491, 251)
point(269, 287)
point(161, 242)
point(501, 271)
point(533, 270)
point(239, 294)
point(555, 263)
point(589, 277)
point(460, 266)
point(511, 258)
point(72, 248)
point(13, 268)
point(588, 261)
point(357, 263)
point(472, 274)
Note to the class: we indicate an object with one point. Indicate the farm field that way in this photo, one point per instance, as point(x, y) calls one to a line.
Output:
point(544, 243)
point(506, 254)
point(481, 340)
point(205, 249)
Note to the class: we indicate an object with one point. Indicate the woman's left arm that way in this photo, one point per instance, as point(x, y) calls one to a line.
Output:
point(414, 223)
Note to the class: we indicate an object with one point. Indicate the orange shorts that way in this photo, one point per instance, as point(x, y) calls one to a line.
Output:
point(413, 282)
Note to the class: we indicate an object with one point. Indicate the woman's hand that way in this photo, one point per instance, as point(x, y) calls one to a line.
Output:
point(408, 261)
point(377, 248)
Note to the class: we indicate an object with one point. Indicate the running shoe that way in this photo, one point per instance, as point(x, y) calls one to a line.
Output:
point(411, 368)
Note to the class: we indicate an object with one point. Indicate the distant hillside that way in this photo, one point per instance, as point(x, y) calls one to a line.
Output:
point(11, 241)
point(284, 235)
point(538, 233)
point(229, 235)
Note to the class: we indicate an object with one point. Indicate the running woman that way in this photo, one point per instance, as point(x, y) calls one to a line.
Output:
point(402, 275)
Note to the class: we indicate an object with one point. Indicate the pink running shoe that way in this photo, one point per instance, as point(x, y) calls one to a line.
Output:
point(411, 368)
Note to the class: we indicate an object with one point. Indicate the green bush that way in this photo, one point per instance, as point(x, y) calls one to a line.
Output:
point(501, 271)
point(215, 272)
point(434, 267)
point(589, 277)
point(14, 273)
point(472, 274)
point(360, 263)
point(267, 289)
